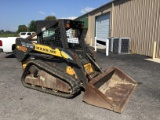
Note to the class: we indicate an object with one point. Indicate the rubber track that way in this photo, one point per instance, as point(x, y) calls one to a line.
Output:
point(65, 77)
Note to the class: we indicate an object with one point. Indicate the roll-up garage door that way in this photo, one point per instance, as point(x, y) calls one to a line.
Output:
point(103, 26)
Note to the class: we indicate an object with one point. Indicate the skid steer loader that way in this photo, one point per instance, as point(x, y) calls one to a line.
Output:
point(60, 63)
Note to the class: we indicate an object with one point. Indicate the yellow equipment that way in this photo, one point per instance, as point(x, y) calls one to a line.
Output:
point(60, 63)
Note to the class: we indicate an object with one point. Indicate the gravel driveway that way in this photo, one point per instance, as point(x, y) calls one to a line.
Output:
point(20, 103)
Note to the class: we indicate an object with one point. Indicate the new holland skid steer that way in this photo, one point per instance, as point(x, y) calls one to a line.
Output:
point(60, 63)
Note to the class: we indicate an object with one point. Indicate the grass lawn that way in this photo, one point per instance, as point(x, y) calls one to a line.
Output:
point(9, 35)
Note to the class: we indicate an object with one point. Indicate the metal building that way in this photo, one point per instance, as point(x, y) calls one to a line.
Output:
point(137, 19)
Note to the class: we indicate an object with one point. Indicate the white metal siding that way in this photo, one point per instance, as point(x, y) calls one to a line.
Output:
point(103, 26)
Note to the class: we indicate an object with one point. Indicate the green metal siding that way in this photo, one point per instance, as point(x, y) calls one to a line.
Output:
point(84, 19)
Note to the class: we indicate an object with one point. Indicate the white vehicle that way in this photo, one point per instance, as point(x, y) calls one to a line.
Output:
point(26, 34)
point(7, 43)
point(1, 50)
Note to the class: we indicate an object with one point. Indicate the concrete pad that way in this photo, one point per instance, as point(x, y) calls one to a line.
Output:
point(157, 60)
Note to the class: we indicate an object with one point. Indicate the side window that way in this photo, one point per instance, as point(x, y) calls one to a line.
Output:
point(28, 33)
point(52, 37)
point(48, 33)
point(23, 33)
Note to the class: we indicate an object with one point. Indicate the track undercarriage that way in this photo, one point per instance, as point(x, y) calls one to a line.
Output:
point(41, 76)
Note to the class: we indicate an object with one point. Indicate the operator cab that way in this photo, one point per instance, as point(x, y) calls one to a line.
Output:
point(66, 34)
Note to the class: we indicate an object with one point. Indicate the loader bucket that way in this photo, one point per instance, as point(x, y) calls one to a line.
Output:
point(111, 90)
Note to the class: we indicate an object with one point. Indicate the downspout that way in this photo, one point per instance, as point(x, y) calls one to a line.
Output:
point(112, 21)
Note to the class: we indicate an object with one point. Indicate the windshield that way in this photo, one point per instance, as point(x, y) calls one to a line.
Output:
point(73, 38)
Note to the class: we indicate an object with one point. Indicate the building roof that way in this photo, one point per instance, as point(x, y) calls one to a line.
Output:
point(97, 8)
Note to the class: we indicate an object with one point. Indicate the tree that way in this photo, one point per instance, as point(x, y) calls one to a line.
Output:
point(50, 18)
point(1, 31)
point(32, 26)
point(8, 32)
point(22, 28)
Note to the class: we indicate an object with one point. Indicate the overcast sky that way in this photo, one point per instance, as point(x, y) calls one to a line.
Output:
point(18, 12)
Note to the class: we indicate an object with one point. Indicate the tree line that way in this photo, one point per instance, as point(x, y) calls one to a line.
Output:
point(30, 28)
